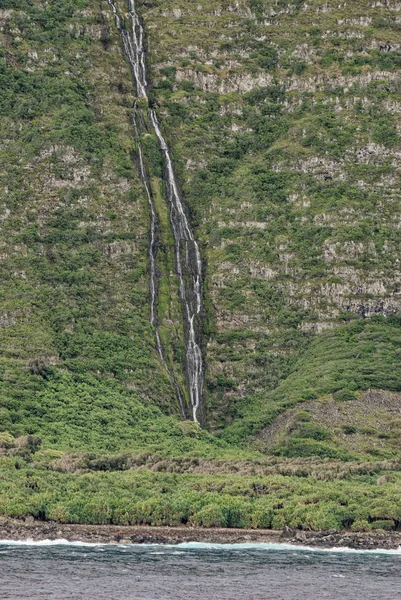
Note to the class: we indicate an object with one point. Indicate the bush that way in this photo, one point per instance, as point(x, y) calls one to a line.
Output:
point(210, 516)
point(349, 429)
point(262, 517)
point(312, 431)
point(361, 525)
point(323, 516)
point(189, 428)
point(385, 524)
point(237, 513)
point(6, 440)
point(28, 442)
point(297, 447)
point(344, 395)
point(303, 416)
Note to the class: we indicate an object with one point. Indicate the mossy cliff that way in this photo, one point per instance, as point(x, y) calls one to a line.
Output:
point(283, 121)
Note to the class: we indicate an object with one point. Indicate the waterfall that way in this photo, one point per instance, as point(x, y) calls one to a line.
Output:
point(152, 272)
point(183, 235)
point(187, 255)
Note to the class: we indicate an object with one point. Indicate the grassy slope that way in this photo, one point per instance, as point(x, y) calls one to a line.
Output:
point(270, 114)
point(340, 363)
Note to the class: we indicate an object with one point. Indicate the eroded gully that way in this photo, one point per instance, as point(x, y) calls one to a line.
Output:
point(188, 262)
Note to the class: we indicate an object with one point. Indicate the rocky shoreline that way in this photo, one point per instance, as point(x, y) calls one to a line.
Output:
point(32, 530)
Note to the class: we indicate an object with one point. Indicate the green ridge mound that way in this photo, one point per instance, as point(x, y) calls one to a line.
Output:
point(283, 121)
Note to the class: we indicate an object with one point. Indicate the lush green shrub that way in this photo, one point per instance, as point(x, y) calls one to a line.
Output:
point(349, 429)
point(297, 447)
point(385, 524)
point(210, 516)
point(343, 395)
point(312, 431)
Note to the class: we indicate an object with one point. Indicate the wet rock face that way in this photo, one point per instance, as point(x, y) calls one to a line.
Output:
point(333, 539)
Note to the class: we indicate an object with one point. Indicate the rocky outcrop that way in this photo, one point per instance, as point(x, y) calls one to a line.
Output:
point(109, 534)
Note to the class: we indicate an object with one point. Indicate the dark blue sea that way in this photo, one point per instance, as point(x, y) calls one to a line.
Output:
point(76, 571)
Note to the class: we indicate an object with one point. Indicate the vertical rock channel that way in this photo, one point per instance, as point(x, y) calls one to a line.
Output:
point(188, 262)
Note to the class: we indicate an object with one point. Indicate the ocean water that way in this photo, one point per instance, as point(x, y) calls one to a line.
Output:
point(77, 571)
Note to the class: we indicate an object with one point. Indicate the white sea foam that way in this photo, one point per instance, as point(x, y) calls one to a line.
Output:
point(59, 542)
point(203, 546)
point(272, 546)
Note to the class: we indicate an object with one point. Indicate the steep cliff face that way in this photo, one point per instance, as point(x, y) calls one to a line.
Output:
point(78, 358)
point(282, 119)
point(275, 126)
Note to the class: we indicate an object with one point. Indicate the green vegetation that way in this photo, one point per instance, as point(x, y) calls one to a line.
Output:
point(285, 152)
point(359, 356)
point(151, 498)
point(283, 120)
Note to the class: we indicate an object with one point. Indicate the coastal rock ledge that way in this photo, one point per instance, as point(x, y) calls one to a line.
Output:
point(30, 529)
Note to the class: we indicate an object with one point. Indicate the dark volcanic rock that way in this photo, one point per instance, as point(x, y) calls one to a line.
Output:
point(30, 529)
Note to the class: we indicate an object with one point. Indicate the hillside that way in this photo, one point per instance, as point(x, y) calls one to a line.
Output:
point(282, 121)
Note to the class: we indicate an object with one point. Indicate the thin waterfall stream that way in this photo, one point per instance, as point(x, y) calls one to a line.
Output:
point(153, 274)
point(188, 262)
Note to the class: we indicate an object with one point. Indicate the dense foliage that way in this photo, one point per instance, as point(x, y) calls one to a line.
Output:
point(145, 497)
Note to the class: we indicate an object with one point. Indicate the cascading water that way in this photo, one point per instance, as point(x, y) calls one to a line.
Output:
point(187, 255)
point(191, 298)
point(152, 273)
